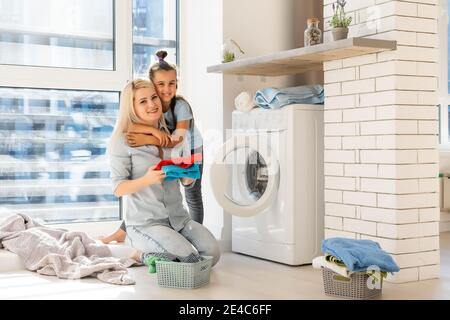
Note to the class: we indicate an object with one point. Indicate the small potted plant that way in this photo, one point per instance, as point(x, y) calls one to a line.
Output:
point(339, 21)
point(230, 51)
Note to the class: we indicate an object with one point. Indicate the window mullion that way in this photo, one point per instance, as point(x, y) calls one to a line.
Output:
point(124, 40)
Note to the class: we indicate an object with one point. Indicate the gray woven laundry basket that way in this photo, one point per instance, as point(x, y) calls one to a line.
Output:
point(184, 275)
point(354, 287)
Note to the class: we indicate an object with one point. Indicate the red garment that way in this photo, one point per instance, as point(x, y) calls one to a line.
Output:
point(182, 162)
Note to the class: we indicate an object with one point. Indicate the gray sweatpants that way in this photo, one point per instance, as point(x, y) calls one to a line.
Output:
point(193, 240)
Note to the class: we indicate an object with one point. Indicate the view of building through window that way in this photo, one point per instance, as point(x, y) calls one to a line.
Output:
point(154, 28)
point(52, 153)
point(65, 33)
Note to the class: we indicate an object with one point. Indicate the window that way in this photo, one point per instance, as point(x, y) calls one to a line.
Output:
point(65, 33)
point(444, 76)
point(62, 66)
point(53, 153)
point(154, 28)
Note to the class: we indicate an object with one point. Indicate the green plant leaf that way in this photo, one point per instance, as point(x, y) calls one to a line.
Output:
point(339, 19)
point(228, 56)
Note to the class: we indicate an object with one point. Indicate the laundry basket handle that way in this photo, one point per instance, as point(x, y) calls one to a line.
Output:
point(337, 277)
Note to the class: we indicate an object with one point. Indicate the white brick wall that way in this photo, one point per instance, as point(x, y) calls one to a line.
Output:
point(429, 272)
point(418, 259)
point(381, 125)
point(405, 275)
point(391, 216)
point(407, 112)
point(389, 127)
point(429, 214)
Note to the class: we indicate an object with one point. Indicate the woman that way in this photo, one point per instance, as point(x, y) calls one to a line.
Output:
point(156, 221)
point(180, 122)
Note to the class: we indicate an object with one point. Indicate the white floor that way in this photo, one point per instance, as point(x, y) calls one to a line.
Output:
point(234, 277)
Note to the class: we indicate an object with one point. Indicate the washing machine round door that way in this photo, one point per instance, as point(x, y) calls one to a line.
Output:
point(245, 176)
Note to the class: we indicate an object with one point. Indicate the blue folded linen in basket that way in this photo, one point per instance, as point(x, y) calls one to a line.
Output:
point(358, 255)
point(273, 98)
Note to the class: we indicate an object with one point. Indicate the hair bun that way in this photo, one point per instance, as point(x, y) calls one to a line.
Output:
point(161, 54)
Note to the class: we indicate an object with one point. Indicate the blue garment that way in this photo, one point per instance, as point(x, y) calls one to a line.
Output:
point(357, 255)
point(273, 98)
point(175, 172)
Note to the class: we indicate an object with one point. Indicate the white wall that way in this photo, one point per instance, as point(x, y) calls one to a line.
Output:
point(305, 9)
point(381, 157)
point(260, 27)
point(200, 46)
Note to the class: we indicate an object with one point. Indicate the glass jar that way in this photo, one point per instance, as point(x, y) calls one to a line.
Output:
point(313, 34)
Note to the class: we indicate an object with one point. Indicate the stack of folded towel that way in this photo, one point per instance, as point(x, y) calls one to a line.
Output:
point(325, 262)
point(345, 256)
point(273, 98)
point(184, 167)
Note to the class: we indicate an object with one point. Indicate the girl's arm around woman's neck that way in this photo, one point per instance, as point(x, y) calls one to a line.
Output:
point(141, 128)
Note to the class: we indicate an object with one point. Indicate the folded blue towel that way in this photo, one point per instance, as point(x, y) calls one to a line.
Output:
point(357, 255)
point(273, 98)
point(175, 172)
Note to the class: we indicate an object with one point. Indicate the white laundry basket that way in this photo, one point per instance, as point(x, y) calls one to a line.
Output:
point(354, 287)
point(184, 275)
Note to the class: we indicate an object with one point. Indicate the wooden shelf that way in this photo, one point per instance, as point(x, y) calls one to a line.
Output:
point(304, 59)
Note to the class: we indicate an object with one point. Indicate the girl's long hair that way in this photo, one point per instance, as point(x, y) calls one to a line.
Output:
point(127, 114)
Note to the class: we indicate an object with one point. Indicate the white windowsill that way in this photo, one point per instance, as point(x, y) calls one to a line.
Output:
point(93, 229)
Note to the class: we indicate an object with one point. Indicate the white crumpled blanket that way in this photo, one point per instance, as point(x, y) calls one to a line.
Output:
point(61, 253)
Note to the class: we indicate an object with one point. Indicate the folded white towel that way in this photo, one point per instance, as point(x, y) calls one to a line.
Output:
point(320, 262)
point(244, 101)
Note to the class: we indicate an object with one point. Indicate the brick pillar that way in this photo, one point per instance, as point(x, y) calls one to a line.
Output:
point(381, 125)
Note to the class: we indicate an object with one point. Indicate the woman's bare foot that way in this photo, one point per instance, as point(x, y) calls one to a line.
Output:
point(118, 236)
point(137, 256)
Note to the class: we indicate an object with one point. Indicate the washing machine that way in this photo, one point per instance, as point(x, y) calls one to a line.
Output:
point(269, 176)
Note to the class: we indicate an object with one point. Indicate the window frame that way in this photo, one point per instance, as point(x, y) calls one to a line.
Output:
point(37, 77)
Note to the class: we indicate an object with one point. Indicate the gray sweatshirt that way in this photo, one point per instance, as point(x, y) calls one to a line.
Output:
point(157, 204)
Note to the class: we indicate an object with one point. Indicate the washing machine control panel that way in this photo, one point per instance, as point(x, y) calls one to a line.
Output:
point(260, 119)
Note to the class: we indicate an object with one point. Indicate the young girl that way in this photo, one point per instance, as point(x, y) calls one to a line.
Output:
point(180, 122)
point(155, 224)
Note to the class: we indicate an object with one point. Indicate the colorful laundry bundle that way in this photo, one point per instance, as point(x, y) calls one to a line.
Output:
point(182, 162)
point(175, 172)
point(183, 167)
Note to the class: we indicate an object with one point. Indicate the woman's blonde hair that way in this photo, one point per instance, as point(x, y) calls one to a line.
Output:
point(127, 114)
